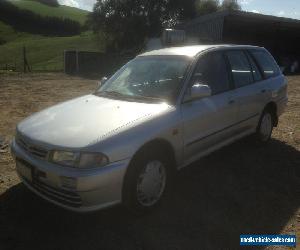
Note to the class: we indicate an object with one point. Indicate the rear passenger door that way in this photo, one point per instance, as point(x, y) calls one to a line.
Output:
point(249, 96)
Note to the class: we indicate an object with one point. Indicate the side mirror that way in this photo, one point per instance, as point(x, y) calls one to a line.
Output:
point(102, 81)
point(199, 90)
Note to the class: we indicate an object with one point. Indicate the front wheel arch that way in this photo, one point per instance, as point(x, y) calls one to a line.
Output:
point(158, 146)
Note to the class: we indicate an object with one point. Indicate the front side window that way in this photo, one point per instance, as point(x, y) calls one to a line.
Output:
point(240, 68)
point(149, 78)
point(211, 70)
point(266, 62)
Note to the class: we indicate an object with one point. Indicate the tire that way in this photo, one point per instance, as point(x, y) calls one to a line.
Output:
point(265, 127)
point(147, 181)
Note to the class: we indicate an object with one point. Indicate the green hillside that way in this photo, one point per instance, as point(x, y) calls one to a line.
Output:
point(44, 53)
point(45, 10)
point(8, 34)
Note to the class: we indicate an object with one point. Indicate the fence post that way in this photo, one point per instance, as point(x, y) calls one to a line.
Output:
point(25, 61)
point(77, 62)
point(65, 61)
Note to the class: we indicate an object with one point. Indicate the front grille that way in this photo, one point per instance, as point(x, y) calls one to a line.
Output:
point(32, 149)
point(62, 196)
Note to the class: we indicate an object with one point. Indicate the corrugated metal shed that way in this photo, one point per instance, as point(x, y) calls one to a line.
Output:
point(213, 27)
point(278, 34)
point(208, 28)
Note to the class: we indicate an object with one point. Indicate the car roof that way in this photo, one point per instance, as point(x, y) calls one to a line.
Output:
point(191, 51)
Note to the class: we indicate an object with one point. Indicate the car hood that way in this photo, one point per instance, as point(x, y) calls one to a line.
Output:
point(81, 121)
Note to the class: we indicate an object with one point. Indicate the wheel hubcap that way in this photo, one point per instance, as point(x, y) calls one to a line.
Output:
point(151, 183)
point(266, 127)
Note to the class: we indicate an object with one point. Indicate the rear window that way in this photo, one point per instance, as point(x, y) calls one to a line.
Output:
point(266, 63)
point(240, 68)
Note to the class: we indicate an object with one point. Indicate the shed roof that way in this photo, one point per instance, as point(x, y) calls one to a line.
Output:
point(241, 14)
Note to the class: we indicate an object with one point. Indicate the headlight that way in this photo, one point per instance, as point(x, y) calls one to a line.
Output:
point(66, 158)
point(79, 159)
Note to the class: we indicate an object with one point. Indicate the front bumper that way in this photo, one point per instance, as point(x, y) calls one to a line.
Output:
point(79, 190)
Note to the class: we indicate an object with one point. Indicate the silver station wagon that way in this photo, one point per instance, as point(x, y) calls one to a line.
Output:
point(160, 112)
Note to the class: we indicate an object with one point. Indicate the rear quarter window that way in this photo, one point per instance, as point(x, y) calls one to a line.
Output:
point(266, 62)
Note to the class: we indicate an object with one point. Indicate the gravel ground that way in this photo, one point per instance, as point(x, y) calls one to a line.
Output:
point(239, 189)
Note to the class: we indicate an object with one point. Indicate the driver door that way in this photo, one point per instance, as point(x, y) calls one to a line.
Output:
point(208, 121)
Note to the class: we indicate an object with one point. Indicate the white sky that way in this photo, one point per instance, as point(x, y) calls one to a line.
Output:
point(82, 4)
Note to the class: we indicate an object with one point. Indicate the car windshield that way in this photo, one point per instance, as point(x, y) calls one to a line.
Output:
point(148, 78)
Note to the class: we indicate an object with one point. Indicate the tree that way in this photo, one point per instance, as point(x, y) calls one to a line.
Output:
point(231, 5)
point(207, 6)
point(186, 9)
point(126, 23)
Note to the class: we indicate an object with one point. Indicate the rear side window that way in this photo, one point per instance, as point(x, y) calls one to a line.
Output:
point(266, 63)
point(211, 70)
point(256, 73)
point(240, 68)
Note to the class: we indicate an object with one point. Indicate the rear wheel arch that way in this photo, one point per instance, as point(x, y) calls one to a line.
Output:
point(272, 107)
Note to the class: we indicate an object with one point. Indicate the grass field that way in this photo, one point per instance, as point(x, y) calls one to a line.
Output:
point(44, 53)
point(240, 189)
point(45, 10)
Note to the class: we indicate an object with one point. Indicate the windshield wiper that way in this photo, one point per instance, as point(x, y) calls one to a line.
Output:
point(129, 97)
point(149, 97)
point(113, 93)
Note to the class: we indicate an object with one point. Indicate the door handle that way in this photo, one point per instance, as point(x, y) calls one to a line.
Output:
point(263, 91)
point(231, 101)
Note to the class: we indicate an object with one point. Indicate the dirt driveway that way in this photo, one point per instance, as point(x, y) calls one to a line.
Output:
point(240, 189)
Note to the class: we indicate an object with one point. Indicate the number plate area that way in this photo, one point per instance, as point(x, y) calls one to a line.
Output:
point(24, 170)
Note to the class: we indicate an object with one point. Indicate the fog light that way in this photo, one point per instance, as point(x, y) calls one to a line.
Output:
point(68, 182)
